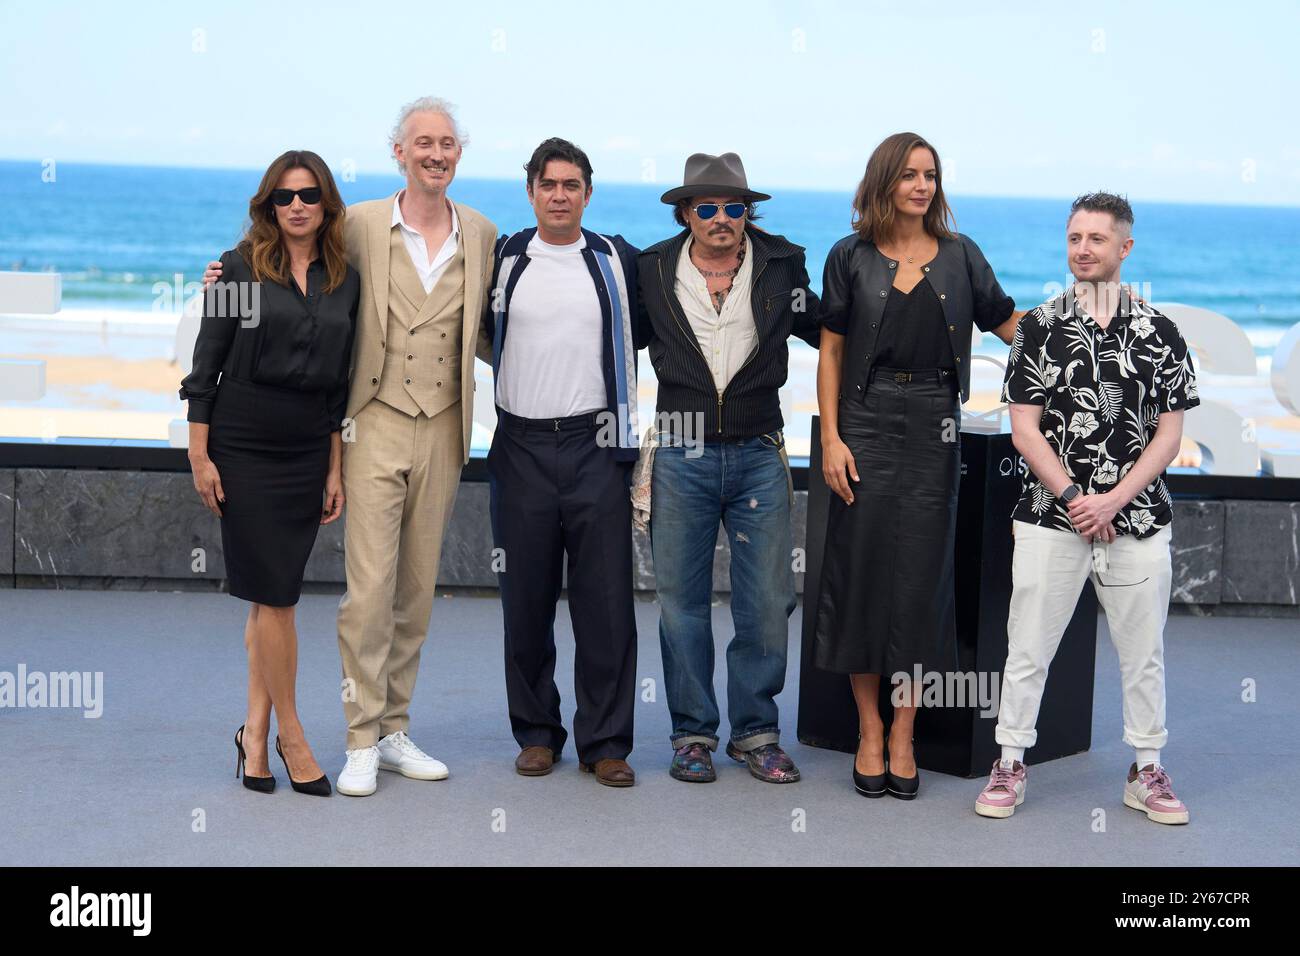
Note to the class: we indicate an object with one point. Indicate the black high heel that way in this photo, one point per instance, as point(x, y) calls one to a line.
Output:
point(869, 785)
point(260, 784)
point(904, 788)
point(320, 787)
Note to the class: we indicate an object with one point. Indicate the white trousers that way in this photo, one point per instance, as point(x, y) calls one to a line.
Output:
point(1132, 579)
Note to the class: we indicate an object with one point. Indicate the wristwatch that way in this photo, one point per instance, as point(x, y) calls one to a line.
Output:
point(1070, 493)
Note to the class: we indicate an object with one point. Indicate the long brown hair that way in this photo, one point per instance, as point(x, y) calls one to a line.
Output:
point(874, 212)
point(262, 245)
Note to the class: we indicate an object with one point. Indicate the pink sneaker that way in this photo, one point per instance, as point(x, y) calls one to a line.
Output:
point(1151, 791)
point(1004, 792)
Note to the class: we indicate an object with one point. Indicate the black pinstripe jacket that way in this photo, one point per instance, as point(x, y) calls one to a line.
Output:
point(783, 305)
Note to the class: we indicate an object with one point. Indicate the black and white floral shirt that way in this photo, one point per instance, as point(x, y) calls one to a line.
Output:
point(1102, 392)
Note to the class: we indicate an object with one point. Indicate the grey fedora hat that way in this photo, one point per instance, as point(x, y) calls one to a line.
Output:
point(707, 175)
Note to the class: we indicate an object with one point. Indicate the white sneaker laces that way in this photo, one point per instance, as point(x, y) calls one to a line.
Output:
point(1158, 783)
point(407, 746)
point(1003, 778)
point(364, 760)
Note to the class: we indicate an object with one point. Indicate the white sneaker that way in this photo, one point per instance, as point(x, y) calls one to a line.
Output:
point(360, 777)
point(1151, 791)
point(398, 752)
point(1004, 792)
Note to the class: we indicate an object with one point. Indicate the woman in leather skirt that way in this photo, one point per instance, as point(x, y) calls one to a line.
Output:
point(900, 296)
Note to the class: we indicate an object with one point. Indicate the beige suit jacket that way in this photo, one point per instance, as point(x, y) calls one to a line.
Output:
point(367, 228)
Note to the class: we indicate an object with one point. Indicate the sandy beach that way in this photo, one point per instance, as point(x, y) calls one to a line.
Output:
point(106, 397)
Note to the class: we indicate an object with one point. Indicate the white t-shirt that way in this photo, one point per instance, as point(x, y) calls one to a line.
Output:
point(551, 363)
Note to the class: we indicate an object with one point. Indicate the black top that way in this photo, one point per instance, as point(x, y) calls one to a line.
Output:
point(912, 334)
point(1102, 392)
point(782, 305)
point(272, 334)
point(855, 288)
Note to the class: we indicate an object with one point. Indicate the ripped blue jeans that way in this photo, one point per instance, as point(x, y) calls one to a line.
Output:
point(745, 486)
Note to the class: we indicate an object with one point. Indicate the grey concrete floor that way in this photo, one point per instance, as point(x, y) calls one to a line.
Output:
point(132, 786)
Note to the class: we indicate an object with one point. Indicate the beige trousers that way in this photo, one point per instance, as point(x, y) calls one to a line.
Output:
point(400, 476)
point(1048, 568)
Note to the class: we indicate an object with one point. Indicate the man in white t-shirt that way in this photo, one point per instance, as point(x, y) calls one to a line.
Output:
point(560, 467)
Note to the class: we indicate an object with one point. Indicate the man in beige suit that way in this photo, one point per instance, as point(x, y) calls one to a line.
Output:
point(425, 263)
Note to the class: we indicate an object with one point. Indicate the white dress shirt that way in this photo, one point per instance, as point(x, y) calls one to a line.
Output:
point(429, 271)
point(726, 338)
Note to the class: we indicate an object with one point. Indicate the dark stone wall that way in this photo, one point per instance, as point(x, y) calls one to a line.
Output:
point(147, 529)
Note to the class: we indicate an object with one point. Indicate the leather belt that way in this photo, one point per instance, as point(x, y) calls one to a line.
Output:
point(903, 376)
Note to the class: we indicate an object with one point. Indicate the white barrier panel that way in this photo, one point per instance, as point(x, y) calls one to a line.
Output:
point(27, 292)
point(1220, 344)
point(992, 422)
point(1280, 464)
point(1227, 440)
point(187, 333)
point(40, 293)
point(1286, 370)
point(22, 380)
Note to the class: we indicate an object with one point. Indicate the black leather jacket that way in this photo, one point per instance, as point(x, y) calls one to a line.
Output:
point(856, 284)
point(782, 303)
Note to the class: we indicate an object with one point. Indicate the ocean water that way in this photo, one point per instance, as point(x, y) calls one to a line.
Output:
point(113, 232)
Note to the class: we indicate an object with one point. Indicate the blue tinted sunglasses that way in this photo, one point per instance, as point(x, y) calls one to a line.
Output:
point(707, 210)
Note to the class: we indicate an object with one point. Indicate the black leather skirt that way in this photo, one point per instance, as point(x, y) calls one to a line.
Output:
point(887, 599)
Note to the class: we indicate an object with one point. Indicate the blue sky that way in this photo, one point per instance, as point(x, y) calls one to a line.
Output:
point(1189, 101)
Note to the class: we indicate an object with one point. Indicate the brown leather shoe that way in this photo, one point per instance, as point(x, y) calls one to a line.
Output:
point(535, 761)
point(611, 771)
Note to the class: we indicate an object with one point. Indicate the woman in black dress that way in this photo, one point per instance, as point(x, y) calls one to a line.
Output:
point(899, 298)
point(265, 441)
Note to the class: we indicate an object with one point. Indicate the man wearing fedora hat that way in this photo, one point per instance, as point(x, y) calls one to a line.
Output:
point(717, 303)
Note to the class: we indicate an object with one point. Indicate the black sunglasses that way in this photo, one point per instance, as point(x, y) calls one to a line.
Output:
point(284, 197)
point(707, 210)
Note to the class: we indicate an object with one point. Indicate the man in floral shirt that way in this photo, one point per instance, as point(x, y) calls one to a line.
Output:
point(1097, 382)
